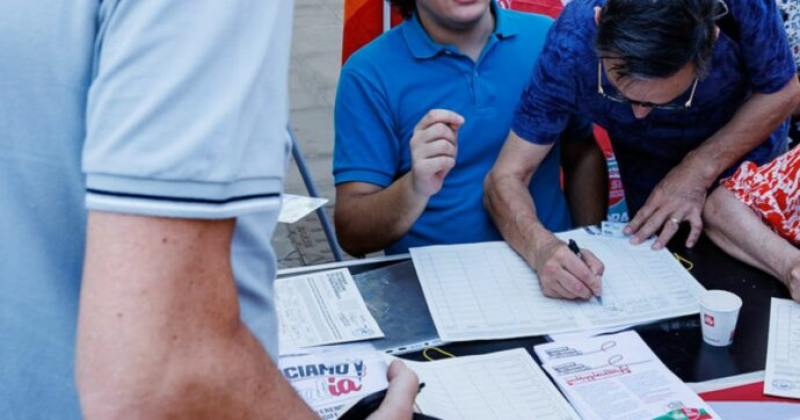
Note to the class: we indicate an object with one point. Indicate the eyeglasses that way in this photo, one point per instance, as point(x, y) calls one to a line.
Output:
point(617, 97)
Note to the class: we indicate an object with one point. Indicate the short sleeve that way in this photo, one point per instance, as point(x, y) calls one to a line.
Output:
point(547, 102)
point(366, 145)
point(187, 109)
point(762, 39)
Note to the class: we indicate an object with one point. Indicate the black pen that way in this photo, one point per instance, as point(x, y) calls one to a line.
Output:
point(573, 246)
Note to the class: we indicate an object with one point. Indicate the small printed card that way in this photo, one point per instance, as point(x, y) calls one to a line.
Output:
point(613, 229)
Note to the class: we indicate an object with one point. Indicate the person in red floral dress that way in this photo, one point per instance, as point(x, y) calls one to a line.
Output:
point(755, 216)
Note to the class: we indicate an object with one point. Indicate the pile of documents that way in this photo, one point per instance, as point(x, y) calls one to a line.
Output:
point(618, 377)
point(505, 385)
point(486, 291)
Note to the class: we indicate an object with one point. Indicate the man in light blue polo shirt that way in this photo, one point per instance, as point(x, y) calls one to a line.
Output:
point(167, 120)
point(421, 115)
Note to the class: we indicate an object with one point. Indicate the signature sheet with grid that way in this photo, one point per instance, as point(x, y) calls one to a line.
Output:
point(486, 291)
point(782, 374)
point(504, 385)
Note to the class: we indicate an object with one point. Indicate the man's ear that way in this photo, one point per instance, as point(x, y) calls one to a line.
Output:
point(597, 15)
point(716, 32)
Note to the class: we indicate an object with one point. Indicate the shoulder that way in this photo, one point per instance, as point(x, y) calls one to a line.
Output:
point(571, 37)
point(383, 52)
point(752, 12)
point(527, 22)
point(579, 13)
point(575, 29)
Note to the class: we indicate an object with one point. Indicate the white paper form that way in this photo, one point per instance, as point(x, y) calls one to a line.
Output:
point(782, 374)
point(486, 291)
point(616, 377)
point(296, 207)
point(503, 385)
point(322, 308)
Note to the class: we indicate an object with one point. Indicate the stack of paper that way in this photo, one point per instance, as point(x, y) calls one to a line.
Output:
point(616, 377)
point(322, 308)
point(486, 291)
point(782, 376)
point(504, 385)
point(330, 381)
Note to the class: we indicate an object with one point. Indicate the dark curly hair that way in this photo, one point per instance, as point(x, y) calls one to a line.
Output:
point(656, 38)
point(406, 7)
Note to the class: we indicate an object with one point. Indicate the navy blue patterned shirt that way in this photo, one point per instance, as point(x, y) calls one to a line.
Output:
point(564, 83)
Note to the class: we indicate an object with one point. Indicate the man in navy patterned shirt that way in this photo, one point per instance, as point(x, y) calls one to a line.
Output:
point(685, 88)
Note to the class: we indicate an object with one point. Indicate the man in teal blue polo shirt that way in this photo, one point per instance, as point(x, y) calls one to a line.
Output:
point(421, 115)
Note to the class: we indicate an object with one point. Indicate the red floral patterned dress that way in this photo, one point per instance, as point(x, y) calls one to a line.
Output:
point(772, 191)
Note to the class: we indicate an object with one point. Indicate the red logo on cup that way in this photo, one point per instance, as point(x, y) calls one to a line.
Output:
point(709, 320)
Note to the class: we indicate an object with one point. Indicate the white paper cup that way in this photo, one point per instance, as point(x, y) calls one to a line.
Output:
point(719, 311)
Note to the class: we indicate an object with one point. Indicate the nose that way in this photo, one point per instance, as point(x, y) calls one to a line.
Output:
point(640, 111)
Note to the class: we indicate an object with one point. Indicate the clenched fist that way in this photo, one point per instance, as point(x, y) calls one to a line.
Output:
point(434, 147)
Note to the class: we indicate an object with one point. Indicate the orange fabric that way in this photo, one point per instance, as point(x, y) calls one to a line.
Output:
point(363, 22)
point(351, 6)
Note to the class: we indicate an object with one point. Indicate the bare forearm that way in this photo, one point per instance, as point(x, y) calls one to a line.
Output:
point(159, 329)
point(370, 222)
point(753, 123)
point(741, 233)
point(513, 211)
point(585, 182)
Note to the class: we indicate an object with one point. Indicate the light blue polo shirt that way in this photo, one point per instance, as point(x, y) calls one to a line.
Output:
point(389, 85)
point(164, 108)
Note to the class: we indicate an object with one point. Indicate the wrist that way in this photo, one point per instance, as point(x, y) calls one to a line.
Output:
point(706, 168)
point(539, 239)
point(416, 187)
point(414, 192)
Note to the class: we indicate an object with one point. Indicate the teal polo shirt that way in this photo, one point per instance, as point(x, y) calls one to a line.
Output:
point(389, 85)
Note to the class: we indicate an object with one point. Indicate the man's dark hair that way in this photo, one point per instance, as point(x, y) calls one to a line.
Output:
point(406, 7)
point(656, 38)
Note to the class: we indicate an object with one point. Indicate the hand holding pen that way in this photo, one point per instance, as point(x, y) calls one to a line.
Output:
point(597, 290)
point(563, 273)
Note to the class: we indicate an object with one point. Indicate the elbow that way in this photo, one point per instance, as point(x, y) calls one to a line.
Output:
point(793, 97)
point(489, 184)
point(349, 245)
point(346, 234)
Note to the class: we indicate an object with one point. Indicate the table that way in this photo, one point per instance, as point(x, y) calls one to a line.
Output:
point(678, 342)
